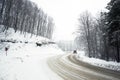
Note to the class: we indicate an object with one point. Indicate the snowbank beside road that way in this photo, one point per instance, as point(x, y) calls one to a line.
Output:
point(27, 62)
point(98, 62)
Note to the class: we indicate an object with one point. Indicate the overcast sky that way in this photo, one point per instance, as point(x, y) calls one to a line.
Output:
point(66, 12)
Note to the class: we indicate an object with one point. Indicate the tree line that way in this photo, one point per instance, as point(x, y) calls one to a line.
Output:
point(25, 16)
point(101, 35)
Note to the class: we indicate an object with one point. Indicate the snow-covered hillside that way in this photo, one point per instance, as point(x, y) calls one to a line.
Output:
point(25, 60)
point(19, 37)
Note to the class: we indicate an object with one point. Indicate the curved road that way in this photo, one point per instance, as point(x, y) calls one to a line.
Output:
point(69, 68)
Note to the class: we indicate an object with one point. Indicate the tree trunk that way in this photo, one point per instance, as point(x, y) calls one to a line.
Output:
point(117, 48)
point(3, 3)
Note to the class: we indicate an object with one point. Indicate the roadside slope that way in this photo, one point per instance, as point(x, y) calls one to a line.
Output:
point(25, 60)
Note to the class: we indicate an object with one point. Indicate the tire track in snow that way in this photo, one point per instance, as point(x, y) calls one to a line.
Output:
point(114, 75)
point(63, 71)
point(69, 68)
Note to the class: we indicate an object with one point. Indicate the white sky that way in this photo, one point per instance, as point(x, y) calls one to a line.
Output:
point(66, 12)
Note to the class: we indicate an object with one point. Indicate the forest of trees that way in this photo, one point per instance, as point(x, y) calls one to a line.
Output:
point(101, 34)
point(25, 16)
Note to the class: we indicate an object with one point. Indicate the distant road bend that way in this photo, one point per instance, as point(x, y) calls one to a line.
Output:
point(70, 68)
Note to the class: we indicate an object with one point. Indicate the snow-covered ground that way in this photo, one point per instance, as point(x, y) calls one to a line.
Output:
point(98, 62)
point(20, 37)
point(26, 61)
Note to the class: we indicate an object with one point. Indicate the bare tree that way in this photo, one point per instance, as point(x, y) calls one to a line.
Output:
point(85, 21)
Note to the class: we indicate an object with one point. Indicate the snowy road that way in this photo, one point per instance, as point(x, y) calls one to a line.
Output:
point(69, 68)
